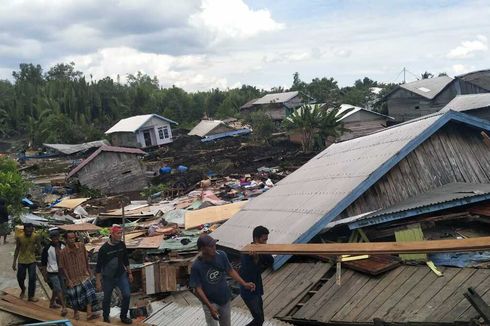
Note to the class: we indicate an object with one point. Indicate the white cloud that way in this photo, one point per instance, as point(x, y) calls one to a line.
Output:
point(230, 19)
point(467, 49)
point(461, 69)
point(123, 60)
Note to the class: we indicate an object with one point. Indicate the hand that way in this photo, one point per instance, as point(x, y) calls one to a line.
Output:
point(14, 267)
point(250, 286)
point(98, 286)
point(214, 312)
point(70, 284)
point(130, 278)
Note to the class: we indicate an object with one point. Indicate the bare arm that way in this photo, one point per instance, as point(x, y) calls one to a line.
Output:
point(16, 253)
point(205, 301)
point(234, 275)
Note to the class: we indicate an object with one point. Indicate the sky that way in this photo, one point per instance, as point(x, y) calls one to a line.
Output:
point(202, 44)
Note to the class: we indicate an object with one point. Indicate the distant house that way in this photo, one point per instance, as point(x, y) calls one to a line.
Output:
point(358, 121)
point(71, 149)
point(209, 127)
point(474, 82)
point(421, 97)
point(142, 131)
point(276, 105)
point(111, 170)
point(477, 105)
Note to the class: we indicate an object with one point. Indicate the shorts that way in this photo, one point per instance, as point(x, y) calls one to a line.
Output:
point(55, 282)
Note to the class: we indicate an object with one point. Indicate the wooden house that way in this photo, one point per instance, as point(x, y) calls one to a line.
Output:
point(421, 97)
point(277, 105)
point(477, 105)
point(111, 170)
point(474, 82)
point(142, 131)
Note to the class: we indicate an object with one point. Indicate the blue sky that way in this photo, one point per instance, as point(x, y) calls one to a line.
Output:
point(202, 44)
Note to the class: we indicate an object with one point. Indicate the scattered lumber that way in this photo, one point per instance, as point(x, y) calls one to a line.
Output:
point(371, 248)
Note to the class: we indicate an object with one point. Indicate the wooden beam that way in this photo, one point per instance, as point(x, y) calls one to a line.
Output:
point(371, 248)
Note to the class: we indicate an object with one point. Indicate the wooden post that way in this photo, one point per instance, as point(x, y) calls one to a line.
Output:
point(339, 270)
point(123, 222)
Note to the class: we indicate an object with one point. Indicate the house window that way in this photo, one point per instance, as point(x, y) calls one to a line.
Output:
point(163, 132)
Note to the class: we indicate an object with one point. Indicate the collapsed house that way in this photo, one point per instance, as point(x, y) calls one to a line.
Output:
point(71, 149)
point(277, 105)
point(111, 170)
point(142, 131)
point(415, 181)
point(215, 129)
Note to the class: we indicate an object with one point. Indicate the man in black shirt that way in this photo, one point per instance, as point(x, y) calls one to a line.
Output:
point(4, 220)
point(113, 269)
point(251, 269)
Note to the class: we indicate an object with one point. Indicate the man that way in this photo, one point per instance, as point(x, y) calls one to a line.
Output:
point(26, 246)
point(251, 269)
point(80, 292)
point(208, 279)
point(113, 268)
point(50, 270)
point(4, 220)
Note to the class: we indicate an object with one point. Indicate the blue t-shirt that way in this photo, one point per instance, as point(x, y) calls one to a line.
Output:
point(251, 271)
point(211, 277)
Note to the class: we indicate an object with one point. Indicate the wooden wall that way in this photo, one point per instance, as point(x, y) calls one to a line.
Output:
point(113, 173)
point(456, 153)
point(124, 139)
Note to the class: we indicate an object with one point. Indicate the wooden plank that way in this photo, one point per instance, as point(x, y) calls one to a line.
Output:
point(408, 300)
point(470, 312)
point(153, 242)
point(446, 291)
point(349, 289)
point(211, 215)
point(369, 311)
point(401, 292)
point(82, 227)
point(326, 293)
point(371, 248)
point(71, 203)
point(411, 233)
point(445, 311)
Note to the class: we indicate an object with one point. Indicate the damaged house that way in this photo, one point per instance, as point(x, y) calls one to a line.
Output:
point(378, 186)
point(215, 129)
point(277, 105)
point(111, 170)
point(142, 131)
point(477, 105)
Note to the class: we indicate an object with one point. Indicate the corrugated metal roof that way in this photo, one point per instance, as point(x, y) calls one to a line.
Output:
point(428, 88)
point(115, 149)
point(204, 127)
point(69, 149)
point(175, 314)
point(480, 78)
point(444, 197)
point(276, 98)
point(405, 295)
point(468, 102)
point(345, 107)
point(132, 124)
point(249, 104)
point(304, 202)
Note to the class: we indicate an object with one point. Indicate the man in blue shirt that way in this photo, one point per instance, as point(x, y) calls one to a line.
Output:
point(208, 279)
point(251, 269)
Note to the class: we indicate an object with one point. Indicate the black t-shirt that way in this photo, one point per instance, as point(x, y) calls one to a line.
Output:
point(112, 259)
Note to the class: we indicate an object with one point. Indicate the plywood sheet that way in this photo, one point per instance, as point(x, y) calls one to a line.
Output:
point(212, 215)
point(145, 242)
point(71, 203)
point(83, 227)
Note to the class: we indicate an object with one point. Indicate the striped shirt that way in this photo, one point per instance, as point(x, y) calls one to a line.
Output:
point(74, 262)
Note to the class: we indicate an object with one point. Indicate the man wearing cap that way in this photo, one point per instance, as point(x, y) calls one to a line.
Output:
point(26, 246)
point(208, 279)
point(49, 269)
point(113, 270)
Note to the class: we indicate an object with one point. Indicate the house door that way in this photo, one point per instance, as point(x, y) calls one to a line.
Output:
point(146, 135)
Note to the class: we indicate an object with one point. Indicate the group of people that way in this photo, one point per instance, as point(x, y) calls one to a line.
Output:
point(208, 279)
point(65, 267)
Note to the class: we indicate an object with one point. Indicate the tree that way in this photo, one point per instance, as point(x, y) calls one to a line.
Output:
point(262, 126)
point(426, 75)
point(12, 186)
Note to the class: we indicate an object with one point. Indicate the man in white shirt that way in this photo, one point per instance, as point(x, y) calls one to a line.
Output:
point(50, 270)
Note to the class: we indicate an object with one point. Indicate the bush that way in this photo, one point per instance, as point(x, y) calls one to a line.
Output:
point(262, 126)
point(13, 187)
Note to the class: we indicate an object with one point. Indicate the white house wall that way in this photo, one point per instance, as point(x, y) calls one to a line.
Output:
point(152, 125)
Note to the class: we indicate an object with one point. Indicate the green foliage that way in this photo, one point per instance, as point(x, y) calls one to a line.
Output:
point(262, 126)
point(153, 189)
point(88, 192)
point(312, 121)
point(13, 187)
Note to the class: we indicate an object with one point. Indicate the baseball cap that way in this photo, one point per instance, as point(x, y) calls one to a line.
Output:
point(205, 240)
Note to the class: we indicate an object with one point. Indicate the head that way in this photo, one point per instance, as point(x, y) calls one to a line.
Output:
point(260, 235)
point(28, 229)
point(116, 233)
point(70, 239)
point(207, 246)
point(54, 235)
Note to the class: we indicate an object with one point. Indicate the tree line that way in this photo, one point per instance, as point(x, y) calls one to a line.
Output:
point(63, 105)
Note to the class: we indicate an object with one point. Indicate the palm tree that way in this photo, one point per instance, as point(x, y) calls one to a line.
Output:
point(311, 120)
